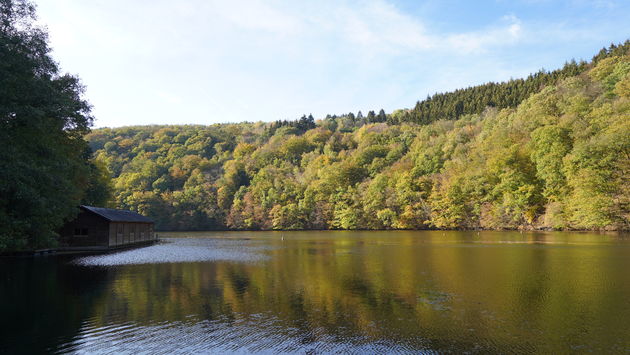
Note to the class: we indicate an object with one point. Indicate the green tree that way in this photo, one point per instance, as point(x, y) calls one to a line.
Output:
point(43, 118)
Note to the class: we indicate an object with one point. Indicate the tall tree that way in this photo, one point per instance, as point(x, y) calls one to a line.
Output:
point(382, 117)
point(43, 118)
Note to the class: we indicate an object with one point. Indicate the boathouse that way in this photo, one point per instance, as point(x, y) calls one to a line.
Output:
point(106, 228)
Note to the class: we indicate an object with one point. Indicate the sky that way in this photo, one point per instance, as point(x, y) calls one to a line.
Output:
point(204, 61)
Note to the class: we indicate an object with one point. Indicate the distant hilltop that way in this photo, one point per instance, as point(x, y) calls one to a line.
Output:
point(549, 151)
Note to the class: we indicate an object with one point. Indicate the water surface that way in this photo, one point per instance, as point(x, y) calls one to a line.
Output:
point(362, 292)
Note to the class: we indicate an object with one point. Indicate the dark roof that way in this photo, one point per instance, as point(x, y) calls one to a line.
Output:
point(113, 215)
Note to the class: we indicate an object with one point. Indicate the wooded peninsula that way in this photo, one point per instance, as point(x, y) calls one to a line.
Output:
point(550, 151)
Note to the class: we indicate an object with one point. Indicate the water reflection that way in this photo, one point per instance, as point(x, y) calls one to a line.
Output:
point(44, 302)
point(178, 251)
point(330, 292)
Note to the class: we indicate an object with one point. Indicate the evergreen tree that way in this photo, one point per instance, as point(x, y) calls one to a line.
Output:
point(382, 117)
point(371, 117)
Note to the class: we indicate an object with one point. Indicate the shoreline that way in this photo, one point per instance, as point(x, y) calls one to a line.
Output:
point(103, 250)
point(87, 250)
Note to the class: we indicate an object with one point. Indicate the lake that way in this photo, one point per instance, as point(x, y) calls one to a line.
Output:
point(333, 291)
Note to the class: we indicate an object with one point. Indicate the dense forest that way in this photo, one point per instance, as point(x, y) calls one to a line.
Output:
point(548, 151)
point(47, 169)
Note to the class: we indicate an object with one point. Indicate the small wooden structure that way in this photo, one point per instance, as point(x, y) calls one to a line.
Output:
point(105, 228)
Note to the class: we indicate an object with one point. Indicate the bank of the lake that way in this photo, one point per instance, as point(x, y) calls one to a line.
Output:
point(335, 291)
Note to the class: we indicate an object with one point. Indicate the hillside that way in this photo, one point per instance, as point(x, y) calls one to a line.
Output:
point(553, 154)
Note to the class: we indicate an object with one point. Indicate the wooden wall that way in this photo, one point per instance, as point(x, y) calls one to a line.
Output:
point(96, 227)
point(123, 233)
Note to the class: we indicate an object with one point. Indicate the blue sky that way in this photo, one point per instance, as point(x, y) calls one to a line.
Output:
point(204, 62)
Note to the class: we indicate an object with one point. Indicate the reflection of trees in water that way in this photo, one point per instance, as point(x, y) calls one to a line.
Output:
point(45, 302)
point(438, 295)
point(356, 297)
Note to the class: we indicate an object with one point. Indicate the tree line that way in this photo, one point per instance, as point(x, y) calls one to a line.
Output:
point(560, 159)
point(509, 94)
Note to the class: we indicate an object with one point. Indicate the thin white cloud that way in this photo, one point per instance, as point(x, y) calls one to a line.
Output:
point(481, 41)
point(254, 15)
point(381, 25)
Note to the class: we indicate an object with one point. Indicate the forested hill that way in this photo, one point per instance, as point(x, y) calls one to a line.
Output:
point(554, 154)
point(452, 105)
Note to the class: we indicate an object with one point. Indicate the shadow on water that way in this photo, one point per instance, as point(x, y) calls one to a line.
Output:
point(45, 301)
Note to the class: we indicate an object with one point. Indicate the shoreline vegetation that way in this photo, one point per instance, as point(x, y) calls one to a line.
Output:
point(549, 152)
point(47, 168)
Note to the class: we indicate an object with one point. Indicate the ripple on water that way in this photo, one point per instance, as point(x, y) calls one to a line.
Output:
point(178, 250)
point(259, 333)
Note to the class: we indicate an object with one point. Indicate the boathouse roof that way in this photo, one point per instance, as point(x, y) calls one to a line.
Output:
point(113, 215)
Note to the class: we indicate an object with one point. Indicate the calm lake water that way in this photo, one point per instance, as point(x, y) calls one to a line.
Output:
point(363, 292)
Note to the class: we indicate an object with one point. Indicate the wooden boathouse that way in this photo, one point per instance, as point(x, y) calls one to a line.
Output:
point(106, 228)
